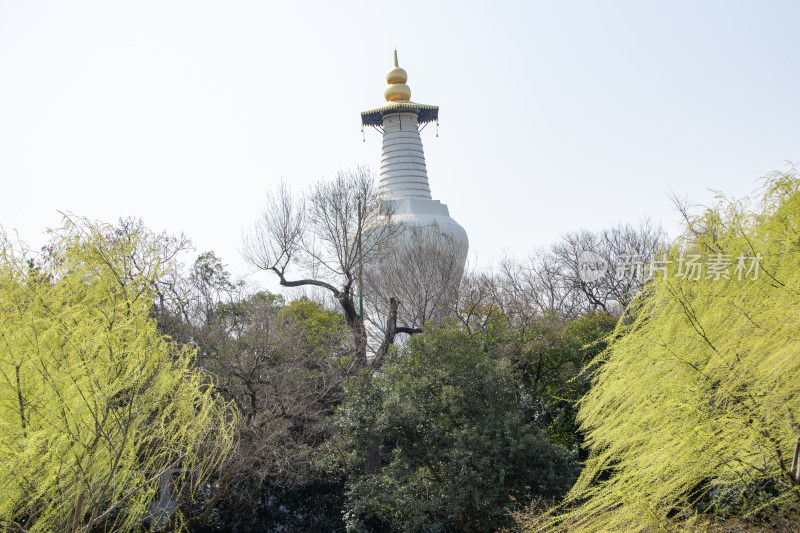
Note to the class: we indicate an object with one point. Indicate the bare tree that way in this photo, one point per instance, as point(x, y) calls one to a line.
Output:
point(550, 279)
point(328, 238)
point(423, 274)
point(536, 285)
point(477, 299)
point(630, 253)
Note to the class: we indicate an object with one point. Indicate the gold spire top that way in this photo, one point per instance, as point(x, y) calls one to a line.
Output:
point(397, 91)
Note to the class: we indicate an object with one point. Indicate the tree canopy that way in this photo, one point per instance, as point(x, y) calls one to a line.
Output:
point(698, 394)
point(459, 443)
point(104, 424)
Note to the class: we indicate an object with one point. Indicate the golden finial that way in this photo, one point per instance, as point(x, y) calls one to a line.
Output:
point(397, 91)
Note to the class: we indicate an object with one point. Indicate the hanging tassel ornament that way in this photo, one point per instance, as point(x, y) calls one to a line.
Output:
point(363, 137)
point(437, 128)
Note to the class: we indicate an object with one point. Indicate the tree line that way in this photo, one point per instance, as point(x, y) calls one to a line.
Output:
point(138, 395)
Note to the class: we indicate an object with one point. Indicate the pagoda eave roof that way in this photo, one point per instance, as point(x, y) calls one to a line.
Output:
point(425, 113)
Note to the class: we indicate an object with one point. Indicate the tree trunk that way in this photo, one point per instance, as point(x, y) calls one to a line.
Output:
point(373, 465)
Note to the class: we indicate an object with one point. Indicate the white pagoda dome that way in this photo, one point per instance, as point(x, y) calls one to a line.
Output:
point(404, 187)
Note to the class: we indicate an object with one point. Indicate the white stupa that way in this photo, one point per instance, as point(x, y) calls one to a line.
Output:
point(404, 186)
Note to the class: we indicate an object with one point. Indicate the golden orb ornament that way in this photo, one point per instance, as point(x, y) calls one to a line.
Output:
point(397, 92)
point(396, 75)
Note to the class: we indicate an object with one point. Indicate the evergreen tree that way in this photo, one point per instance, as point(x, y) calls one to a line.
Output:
point(459, 444)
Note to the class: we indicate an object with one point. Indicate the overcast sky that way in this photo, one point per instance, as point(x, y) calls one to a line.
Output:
point(554, 116)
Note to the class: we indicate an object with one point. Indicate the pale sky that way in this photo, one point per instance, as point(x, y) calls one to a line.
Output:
point(554, 116)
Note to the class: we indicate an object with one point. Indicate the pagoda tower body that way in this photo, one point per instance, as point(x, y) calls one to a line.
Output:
point(404, 187)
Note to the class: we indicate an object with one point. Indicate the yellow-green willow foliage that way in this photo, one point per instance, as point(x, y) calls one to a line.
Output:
point(701, 388)
point(94, 404)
